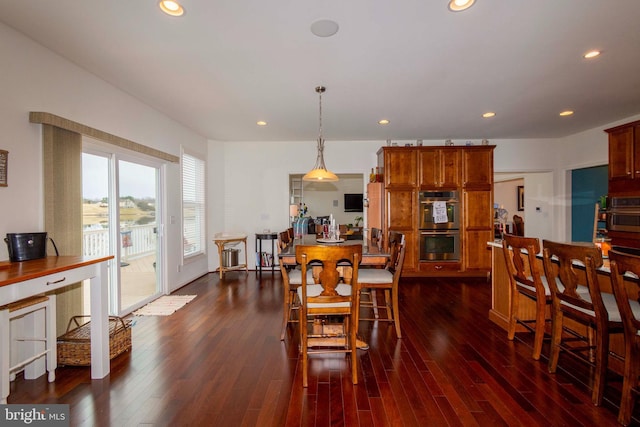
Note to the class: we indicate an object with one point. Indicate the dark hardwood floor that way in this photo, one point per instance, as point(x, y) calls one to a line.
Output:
point(219, 362)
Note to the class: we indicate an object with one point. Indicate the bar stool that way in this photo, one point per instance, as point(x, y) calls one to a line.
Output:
point(38, 316)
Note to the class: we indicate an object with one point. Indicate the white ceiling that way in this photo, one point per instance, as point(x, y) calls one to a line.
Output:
point(228, 63)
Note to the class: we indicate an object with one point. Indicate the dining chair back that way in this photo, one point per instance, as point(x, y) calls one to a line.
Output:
point(387, 279)
point(625, 286)
point(526, 280)
point(329, 297)
point(376, 237)
point(518, 225)
point(575, 292)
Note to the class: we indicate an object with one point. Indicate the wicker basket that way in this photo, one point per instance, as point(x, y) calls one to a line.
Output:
point(74, 347)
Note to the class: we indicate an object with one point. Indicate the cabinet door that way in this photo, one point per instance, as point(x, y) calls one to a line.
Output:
point(621, 153)
point(477, 255)
point(439, 168)
point(429, 160)
point(478, 167)
point(400, 168)
point(400, 208)
point(478, 230)
point(636, 152)
point(450, 167)
point(478, 212)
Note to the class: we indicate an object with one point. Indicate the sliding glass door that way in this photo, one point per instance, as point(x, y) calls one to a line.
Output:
point(122, 217)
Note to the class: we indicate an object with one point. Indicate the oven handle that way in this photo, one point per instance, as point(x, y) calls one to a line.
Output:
point(443, 200)
point(450, 232)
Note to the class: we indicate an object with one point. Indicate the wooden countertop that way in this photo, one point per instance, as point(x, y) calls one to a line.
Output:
point(13, 272)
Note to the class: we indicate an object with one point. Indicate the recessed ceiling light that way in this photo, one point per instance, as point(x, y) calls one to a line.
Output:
point(324, 28)
point(566, 113)
point(488, 114)
point(171, 7)
point(591, 54)
point(460, 5)
point(383, 122)
point(261, 123)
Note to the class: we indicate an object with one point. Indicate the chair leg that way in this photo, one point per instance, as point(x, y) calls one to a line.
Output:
point(513, 310)
point(396, 310)
point(374, 302)
point(52, 355)
point(4, 356)
point(353, 346)
point(556, 339)
point(539, 328)
point(602, 352)
point(286, 313)
point(630, 379)
point(304, 343)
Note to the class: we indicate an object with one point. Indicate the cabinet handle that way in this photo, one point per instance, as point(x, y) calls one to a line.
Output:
point(57, 281)
point(438, 267)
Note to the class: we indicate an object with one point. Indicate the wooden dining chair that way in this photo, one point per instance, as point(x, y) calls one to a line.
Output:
point(328, 298)
point(386, 279)
point(575, 293)
point(518, 225)
point(629, 308)
point(376, 237)
point(291, 280)
point(526, 280)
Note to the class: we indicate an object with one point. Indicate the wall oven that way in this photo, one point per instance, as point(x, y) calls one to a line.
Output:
point(624, 214)
point(441, 245)
point(439, 210)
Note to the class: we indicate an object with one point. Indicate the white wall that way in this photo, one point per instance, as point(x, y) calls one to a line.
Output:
point(35, 79)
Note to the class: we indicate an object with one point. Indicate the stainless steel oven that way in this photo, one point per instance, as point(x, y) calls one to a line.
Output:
point(624, 214)
point(439, 210)
point(440, 245)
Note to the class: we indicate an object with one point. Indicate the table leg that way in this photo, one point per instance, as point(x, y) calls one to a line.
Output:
point(99, 323)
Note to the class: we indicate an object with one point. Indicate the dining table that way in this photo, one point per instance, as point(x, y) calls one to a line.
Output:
point(372, 256)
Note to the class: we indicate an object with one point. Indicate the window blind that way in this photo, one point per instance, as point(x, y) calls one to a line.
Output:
point(193, 205)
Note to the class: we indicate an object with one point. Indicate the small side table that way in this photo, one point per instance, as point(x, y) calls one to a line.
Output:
point(222, 239)
point(259, 258)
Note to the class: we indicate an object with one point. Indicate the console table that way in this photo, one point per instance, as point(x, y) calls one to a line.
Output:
point(223, 239)
point(20, 280)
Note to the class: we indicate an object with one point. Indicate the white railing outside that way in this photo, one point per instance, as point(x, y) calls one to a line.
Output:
point(138, 241)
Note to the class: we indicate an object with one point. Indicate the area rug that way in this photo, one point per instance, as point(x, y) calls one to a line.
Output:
point(165, 305)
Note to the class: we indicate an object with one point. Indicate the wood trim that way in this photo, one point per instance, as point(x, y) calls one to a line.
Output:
point(61, 122)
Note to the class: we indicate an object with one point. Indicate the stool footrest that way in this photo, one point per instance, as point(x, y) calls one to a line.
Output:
point(27, 361)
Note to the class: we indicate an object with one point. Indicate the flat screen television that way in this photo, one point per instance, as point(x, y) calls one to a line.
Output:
point(353, 202)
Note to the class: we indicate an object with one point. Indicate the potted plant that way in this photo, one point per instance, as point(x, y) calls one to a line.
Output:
point(358, 219)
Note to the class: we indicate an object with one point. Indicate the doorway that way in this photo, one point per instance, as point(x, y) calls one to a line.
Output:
point(122, 217)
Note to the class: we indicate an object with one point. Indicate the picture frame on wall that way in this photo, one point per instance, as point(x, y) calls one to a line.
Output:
point(520, 197)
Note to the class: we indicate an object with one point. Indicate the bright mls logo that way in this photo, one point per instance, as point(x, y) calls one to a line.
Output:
point(34, 415)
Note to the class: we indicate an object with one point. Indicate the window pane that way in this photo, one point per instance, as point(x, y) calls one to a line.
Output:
point(193, 203)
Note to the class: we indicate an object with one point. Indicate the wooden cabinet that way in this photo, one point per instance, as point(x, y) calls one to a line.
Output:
point(439, 167)
point(478, 167)
point(624, 158)
point(374, 209)
point(478, 229)
point(400, 167)
point(468, 170)
point(400, 212)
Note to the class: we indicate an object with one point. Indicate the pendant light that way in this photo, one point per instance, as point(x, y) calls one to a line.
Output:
point(319, 173)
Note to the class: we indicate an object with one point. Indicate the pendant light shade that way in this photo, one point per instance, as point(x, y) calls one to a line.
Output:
point(319, 173)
